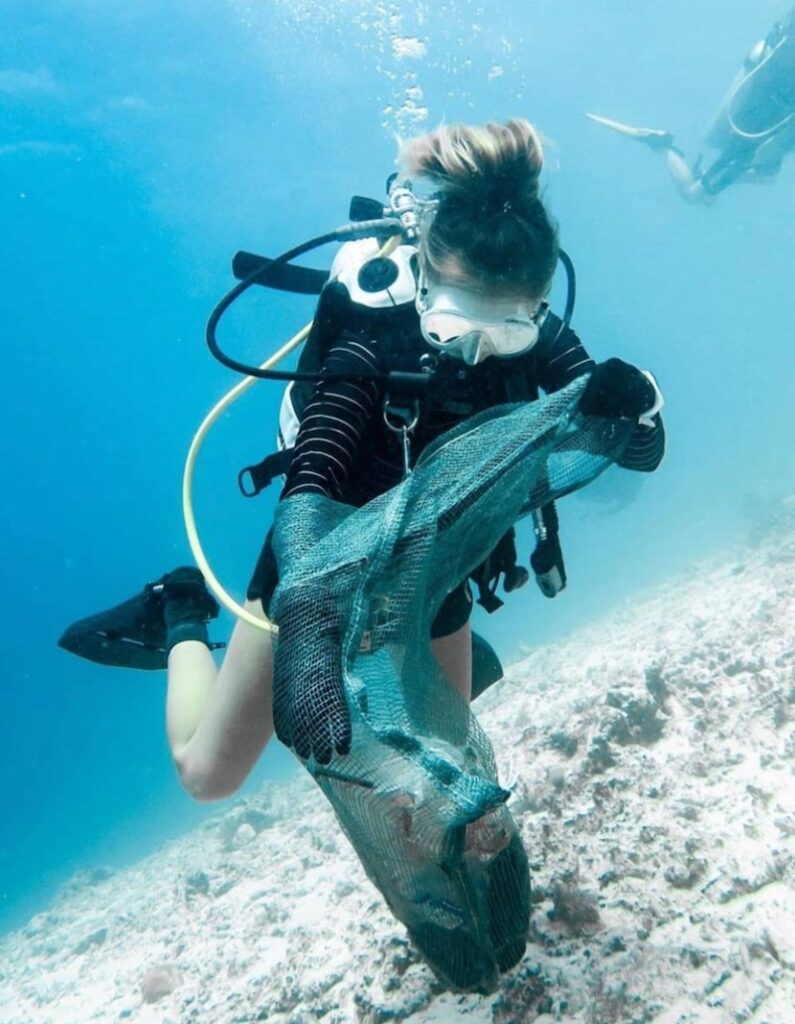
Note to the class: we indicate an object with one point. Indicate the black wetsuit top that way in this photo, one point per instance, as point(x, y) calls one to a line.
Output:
point(345, 450)
point(766, 109)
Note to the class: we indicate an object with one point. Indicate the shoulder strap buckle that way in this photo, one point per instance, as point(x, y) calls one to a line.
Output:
point(252, 480)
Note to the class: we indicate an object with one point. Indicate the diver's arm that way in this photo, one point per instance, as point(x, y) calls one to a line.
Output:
point(310, 708)
point(619, 389)
point(336, 420)
point(646, 447)
point(560, 356)
point(219, 722)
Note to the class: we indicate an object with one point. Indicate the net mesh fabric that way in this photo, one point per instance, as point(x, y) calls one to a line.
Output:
point(418, 793)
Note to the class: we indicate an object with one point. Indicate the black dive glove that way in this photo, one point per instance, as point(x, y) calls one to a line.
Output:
point(310, 712)
point(616, 388)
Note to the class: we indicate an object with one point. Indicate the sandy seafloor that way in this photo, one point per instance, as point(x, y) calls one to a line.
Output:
point(652, 757)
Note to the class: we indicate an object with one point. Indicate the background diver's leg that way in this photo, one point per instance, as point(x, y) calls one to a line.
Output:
point(219, 721)
point(688, 183)
point(454, 655)
point(687, 180)
point(732, 165)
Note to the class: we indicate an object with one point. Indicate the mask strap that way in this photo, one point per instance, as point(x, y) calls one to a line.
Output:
point(421, 295)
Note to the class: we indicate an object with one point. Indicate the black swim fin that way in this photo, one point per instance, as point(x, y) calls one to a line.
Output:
point(486, 666)
point(134, 634)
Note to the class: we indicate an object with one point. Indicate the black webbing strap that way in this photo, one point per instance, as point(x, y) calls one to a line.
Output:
point(252, 480)
point(501, 562)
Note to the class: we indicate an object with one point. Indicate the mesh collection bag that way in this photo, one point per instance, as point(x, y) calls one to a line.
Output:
point(415, 787)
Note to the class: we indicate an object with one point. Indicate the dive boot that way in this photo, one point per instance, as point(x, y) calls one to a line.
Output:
point(140, 632)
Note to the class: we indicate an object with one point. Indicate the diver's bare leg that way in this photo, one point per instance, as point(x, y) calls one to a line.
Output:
point(688, 183)
point(219, 721)
point(454, 654)
point(690, 187)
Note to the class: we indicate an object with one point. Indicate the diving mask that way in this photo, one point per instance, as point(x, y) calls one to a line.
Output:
point(473, 327)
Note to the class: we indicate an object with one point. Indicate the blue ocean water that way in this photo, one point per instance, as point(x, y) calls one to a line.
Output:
point(141, 145)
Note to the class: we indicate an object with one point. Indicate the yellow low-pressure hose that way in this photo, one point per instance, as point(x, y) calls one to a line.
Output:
point(193, 453)
point(187, 483)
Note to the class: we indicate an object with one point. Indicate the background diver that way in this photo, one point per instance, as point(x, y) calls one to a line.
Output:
point(469, 299)
point(753, 129)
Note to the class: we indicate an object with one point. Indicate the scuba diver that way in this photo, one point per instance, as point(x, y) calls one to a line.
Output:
point(754, 127)
point(466, 305)
point(463, 304)
point(415, 437)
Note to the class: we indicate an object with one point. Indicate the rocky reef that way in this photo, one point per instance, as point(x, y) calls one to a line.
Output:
point(651, 758)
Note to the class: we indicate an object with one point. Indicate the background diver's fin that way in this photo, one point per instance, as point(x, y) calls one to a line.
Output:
point(486, 666)
point(129, 635)
point(655, 137)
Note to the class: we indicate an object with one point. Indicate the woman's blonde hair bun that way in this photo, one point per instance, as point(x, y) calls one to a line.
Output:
point(490, 227)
